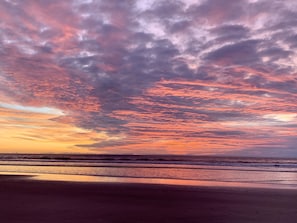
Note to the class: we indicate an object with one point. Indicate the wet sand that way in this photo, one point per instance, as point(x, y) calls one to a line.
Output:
point(25, 200)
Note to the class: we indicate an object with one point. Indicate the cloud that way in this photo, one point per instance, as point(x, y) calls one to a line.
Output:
point(241, 53)
point(196, 77)
point(229, 33)
point(217, 12)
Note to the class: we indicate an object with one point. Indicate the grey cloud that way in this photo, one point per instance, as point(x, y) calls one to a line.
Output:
point(226, 133)
point(101, 122)
point(292, 40)
point(165, 10)
point(226, 33)
point(285, 148)
point(106, 143)
point(286, 86)
point(275, 53)
point(217, 11)
point(179, 26)
point(242, 53)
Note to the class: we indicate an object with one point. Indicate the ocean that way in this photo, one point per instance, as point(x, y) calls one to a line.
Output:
point(156, 169)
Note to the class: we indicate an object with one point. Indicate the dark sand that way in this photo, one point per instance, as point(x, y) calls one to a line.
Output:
point(25, 200)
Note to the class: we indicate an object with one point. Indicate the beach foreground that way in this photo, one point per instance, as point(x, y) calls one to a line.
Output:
point(25, 200)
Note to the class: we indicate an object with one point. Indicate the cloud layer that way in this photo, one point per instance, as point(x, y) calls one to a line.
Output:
point(189, 77)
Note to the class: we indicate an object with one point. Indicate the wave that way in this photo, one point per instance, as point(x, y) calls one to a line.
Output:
point(153, 160)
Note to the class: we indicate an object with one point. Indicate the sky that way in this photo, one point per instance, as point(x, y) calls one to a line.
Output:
point(203, 77)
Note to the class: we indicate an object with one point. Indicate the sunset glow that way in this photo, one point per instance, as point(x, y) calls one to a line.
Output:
point(149, 77)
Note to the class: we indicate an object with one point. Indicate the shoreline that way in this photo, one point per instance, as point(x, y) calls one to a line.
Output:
point(30, 200)
point(140, 180)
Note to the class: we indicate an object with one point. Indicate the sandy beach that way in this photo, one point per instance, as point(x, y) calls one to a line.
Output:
point(25, 200)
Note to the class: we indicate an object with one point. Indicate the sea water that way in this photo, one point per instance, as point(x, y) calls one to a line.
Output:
point(156, 169)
